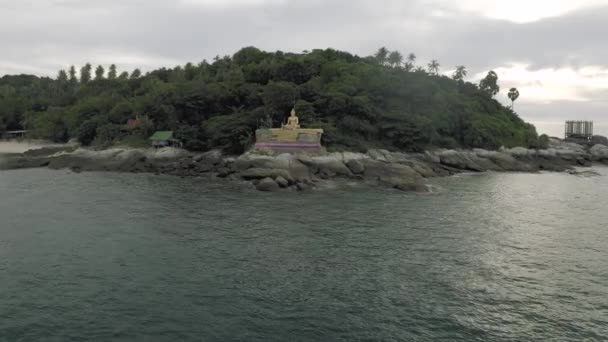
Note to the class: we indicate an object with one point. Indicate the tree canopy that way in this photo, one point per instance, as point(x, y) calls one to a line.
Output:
point(361, 102)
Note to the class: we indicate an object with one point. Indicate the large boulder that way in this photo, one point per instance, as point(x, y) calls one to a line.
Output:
point(328, 166)
point(258, 173)
point(12, 162)
point(599, 140)
point(355, 166)
point(377, 155)
point(296, 169)
point(209, 160)
point(268, 185)
point(599, 152)
point(287, 162)
point(412, 187)
point(253, 160)
point(423, 169)
point(120, 160)
point(585, 173)
point(283, 183)
point(49, 151)
point(303, 186)
point(418, 162)
point(503, 161)
point(377, 169)
point(394, 175)
point(464, 161)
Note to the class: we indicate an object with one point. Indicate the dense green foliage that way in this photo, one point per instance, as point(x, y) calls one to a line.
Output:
point(372, 102)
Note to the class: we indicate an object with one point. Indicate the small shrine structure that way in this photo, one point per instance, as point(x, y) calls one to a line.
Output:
point(290, 137)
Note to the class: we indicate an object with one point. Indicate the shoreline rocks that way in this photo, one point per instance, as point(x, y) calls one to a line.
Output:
point(402, 171)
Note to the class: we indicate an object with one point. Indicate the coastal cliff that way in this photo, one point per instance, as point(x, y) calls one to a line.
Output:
point(273, 172)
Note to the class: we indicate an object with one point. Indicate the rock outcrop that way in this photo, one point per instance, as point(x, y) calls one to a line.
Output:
point(267, 184)
point(402, 171)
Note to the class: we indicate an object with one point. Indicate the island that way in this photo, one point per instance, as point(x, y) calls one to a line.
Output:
point(281, 121)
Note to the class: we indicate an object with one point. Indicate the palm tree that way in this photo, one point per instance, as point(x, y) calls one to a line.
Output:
point(460, 73)
point(395, 58)
point(513, 96)
point(434, 67)
point(411, 58)
point(409, 62)
point(381, 55)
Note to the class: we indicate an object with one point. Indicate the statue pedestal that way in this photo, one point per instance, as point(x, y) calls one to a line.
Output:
point(289, 140)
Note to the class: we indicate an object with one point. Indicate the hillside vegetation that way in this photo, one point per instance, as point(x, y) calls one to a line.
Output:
point(361, 102)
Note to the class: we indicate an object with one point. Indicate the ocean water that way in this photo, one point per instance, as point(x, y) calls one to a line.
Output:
point(121, 257)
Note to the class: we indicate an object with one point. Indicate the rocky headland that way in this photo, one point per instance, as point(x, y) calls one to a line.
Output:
point(276, 172)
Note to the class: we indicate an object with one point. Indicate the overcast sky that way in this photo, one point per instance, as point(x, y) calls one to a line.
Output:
point(554, 51)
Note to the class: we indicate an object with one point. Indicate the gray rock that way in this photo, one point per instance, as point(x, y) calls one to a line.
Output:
point(599, 140)
point(461, 160)
point(328, 166)
point(587, 173)
point(257, 173)
point(377, 155)
point(289, 163)
point(503, 161)
point(394, 175)
point(268, 185)
point(599, 152)
point(404, 185)
point(377, 169)
point(213, 157)
point(355, 166)
point(224, 172)
point(283, 183)
point(303, 186)
point(413, 187)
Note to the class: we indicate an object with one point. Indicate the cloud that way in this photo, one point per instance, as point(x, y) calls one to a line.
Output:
point(551, 84)
point(521, 11)
point(231, 3)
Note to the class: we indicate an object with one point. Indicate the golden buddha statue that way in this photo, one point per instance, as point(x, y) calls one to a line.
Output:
point(292, 122)
point(290, 137)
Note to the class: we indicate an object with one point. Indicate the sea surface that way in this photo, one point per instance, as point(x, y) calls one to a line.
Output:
point(122, 257)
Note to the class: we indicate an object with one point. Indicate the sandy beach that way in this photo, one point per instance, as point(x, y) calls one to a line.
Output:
point(22, 146)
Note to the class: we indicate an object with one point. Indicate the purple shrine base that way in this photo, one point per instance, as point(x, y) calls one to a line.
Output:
point(290, 146)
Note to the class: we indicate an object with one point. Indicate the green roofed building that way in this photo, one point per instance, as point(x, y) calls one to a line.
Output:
point(164, 139)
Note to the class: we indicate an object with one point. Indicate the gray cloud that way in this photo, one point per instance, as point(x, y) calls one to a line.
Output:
point(41, 36)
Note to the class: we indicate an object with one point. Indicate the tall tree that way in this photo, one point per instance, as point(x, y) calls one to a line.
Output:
point(411, 58)
point(112, 74)
point(489, 84)
point(513, 96)
point(85, 73)
point(395, 58)
point(136, 74)
point(460, 73)
point(381, 55)
point(73, 77)
point(62, 77)
point(433, 67)
point(123, 76)
point(99, 72)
